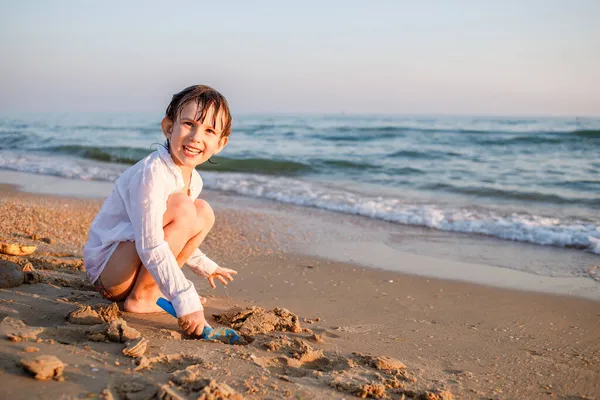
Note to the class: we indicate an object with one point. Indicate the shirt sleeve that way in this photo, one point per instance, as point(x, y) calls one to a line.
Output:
point(146, 207)
point(200, 264)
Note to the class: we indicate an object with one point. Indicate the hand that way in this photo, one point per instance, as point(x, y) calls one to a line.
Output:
point(222, 274)
point(193, 324)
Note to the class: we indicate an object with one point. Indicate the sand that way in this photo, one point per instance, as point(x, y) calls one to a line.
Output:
point(347, 330)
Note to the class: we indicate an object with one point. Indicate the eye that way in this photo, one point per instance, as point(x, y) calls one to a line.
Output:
point(211, 131)
point(188, 123)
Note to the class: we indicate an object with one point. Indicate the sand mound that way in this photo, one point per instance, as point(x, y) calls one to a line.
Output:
point(382, 363)
point(108, 312)
point(255, 320)
point(71, 334)
point(217, 391)
point(84, 315)
point(141, 388)
point(119, 331)
point(44, 367)
point(189, 375)
point(363, 383)
point(169, 362)
point(18, 331)
point(116, 331)
point(131, 387)
point(296, 348)
point(48, 261)
point(92, 315)
point(190, 380)
point(356, 374)
point(436, 395)
point(358, 386)
point(297, 358)
point(62, 279)
point(97, 333)
point(11, 274)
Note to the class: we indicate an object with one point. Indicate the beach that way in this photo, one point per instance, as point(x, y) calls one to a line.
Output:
point(409, 195)
point(445, 310)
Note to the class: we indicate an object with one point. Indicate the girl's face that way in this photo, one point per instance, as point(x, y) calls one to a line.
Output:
point(193, 142)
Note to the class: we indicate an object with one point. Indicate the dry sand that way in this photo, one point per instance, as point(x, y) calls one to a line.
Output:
point(360, 331)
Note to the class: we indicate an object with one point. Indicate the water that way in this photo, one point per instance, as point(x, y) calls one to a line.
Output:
point(532, 180)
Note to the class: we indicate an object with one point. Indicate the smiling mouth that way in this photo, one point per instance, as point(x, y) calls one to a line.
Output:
point(192, 151)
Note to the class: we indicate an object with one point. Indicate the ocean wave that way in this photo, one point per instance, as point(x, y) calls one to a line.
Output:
point(123, 155)
point(523, 140)
point(520, 227)
point(539, 138)
point(12, 139)
point(533, 134)
point(130, 155)
point(257, 166)
point(59, 128)
point(387, 131)
point(58, 165)
point(344, 164)
point(423, 154)
point(587, 133)
point(358, 135)
point(408, 171)
point(116, 128)
point(579, 185)
point(535, 229)
point(257, 128)
point(514, 194)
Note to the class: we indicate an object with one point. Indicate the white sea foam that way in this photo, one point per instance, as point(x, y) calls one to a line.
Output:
point(521, 227)
point(518, 227)
point(56, 165)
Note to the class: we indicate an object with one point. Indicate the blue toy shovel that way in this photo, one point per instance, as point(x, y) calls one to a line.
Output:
point(225, 335)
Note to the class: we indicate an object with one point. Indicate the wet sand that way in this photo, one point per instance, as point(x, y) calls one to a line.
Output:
point(470, 340)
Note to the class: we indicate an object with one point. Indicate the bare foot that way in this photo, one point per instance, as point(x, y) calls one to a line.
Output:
point(142, 306)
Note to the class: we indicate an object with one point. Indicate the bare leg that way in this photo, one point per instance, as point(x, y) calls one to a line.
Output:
point(121, 271)
point(145, 292)
point(186, 224)
point(206, 219)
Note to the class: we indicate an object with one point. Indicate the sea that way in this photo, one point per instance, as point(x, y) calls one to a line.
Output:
point(534, 180)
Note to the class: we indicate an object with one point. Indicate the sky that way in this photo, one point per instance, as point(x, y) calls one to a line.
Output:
point(534, 57)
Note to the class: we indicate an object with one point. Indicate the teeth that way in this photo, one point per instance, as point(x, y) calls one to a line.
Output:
point(192, 150)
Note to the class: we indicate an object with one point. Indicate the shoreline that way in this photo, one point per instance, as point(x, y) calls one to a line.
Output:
point(474, 341)
point(408, 250)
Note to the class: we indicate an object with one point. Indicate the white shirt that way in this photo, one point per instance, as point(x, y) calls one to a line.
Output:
point(134, 212)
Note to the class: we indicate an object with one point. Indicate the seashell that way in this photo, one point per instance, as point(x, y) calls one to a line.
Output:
point(136, 348)
point(13, 249)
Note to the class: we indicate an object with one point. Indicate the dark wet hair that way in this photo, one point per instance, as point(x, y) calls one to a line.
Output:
point(206, 98)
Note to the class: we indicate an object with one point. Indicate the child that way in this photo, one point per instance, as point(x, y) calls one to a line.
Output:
point(150, 225)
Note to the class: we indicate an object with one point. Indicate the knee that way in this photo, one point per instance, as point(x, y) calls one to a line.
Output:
point(182, 210)
point(205, 216)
